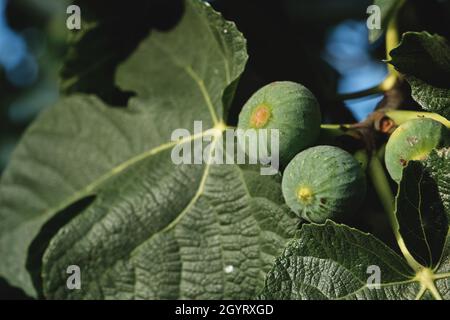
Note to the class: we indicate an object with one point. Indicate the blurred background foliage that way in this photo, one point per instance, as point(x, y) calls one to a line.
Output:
point(32, 45)
point(321, 44)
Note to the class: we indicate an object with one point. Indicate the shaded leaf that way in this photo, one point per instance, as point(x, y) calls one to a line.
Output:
point(438, 164)
point(92, 58)
point(425, 60)
point(421, 215)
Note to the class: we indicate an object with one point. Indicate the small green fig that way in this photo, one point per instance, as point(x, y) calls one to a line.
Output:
point(289, 107)
point(323, 182)
point(413, 140)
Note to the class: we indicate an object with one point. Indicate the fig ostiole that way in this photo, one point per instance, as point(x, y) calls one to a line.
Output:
point(288, 107)
point(413, 140)
point(324, 182)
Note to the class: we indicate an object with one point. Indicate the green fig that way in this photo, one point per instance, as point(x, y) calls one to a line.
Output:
point(323, 182)
point(289, 107)
point(413, 140)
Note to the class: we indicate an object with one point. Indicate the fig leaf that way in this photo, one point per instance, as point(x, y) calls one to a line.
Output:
point(421, 214)
point(425, 60)
point(333, 261)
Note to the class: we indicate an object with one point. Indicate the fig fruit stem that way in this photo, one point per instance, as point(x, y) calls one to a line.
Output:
point(338, 128)
point(387, 84)
point(402, 116)
point(329, 132)
point(364, 93)
point(392, 40)
point(381, 184)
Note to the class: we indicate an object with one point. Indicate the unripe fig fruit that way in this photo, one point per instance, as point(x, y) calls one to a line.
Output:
point(323, 182)
point(413, 140)
point(289, 107)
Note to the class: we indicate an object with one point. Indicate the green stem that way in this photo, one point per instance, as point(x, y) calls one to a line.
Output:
point(384, 86)
point(381, 184)
point(383, 189)
point(328, 132)
point(335, 127)
point(392, 36)
point(361, 94)
point(402, 116)
point(392, 40)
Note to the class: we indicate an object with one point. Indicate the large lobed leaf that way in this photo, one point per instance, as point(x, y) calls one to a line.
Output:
point(154, 229)
point(425, 60)
point(170, 233)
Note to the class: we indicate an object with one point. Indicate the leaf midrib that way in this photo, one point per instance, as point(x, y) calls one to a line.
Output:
point(194, 199)
point(422, 225)
point(90, 188)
